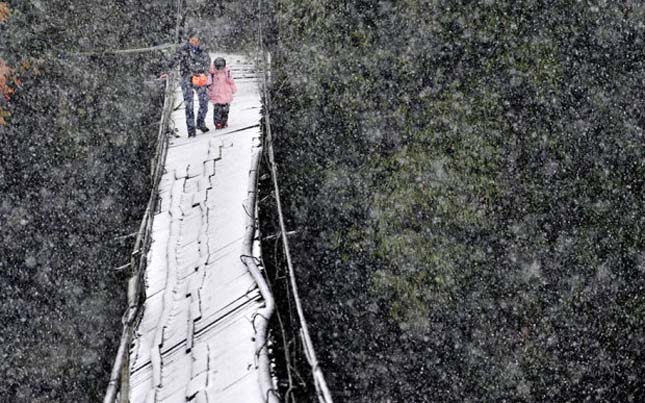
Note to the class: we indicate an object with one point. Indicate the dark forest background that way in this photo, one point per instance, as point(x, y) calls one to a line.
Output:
point(466, 183)
point(78, 127)
point(465, 179)
point(75, 152)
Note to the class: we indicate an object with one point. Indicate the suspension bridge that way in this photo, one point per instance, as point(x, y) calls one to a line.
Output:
point(196, 328)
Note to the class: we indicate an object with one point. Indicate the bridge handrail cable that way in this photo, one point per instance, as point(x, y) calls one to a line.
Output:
point(322, 390)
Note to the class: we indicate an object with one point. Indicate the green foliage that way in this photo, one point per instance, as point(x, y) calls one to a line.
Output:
point(74, 160)
point(466, 179)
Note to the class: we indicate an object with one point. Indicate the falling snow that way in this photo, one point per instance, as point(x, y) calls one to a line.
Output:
point(462, 184)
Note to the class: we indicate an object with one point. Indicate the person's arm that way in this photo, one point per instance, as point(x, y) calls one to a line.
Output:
point(211, 70)
point(231, 82)
point(172, 63)
point(206, 62)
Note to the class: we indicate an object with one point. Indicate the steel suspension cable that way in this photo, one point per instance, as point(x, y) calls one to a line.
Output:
point(322, 390)
point(119, 377)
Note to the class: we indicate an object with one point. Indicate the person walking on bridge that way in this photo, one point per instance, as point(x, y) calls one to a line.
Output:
point(220, 91)
point(194, 63)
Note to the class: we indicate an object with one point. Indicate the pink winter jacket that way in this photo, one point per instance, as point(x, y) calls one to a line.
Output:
point(222, 87)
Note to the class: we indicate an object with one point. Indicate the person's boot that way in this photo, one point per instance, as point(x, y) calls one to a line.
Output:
point(218, 125)
point(191, 133)
point(203, 127)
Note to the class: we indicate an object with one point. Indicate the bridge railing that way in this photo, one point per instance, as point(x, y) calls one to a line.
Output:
point(119, 377)
point(264, 61)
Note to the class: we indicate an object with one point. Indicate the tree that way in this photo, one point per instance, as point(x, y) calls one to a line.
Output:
point(465, 183)
point(74, 163)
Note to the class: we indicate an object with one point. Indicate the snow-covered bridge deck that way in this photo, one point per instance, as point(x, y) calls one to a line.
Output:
point(196, 337)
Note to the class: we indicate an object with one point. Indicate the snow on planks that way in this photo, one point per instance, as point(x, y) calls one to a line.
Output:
point(195, 341)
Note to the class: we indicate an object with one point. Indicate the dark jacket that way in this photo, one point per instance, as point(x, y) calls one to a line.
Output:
point(191, 60)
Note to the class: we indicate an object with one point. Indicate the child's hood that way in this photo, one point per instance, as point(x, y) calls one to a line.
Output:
point(213, 70)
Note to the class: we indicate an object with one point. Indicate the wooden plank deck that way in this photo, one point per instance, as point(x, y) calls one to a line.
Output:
point(196, 338)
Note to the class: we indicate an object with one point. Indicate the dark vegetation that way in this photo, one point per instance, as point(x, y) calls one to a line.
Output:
point(74, 176)
point(466, 183)
point(465, 179)
point(227, 25)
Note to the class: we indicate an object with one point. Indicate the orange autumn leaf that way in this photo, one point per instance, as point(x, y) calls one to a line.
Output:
point(5, 73)
point(3, 114)
point(4, 11)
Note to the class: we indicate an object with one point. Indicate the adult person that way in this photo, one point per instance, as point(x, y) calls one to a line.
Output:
point(194, 63)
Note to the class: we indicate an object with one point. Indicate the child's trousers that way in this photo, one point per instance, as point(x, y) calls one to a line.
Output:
point(220, 114)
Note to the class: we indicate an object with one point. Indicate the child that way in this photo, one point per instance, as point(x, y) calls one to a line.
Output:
point(222, 88)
